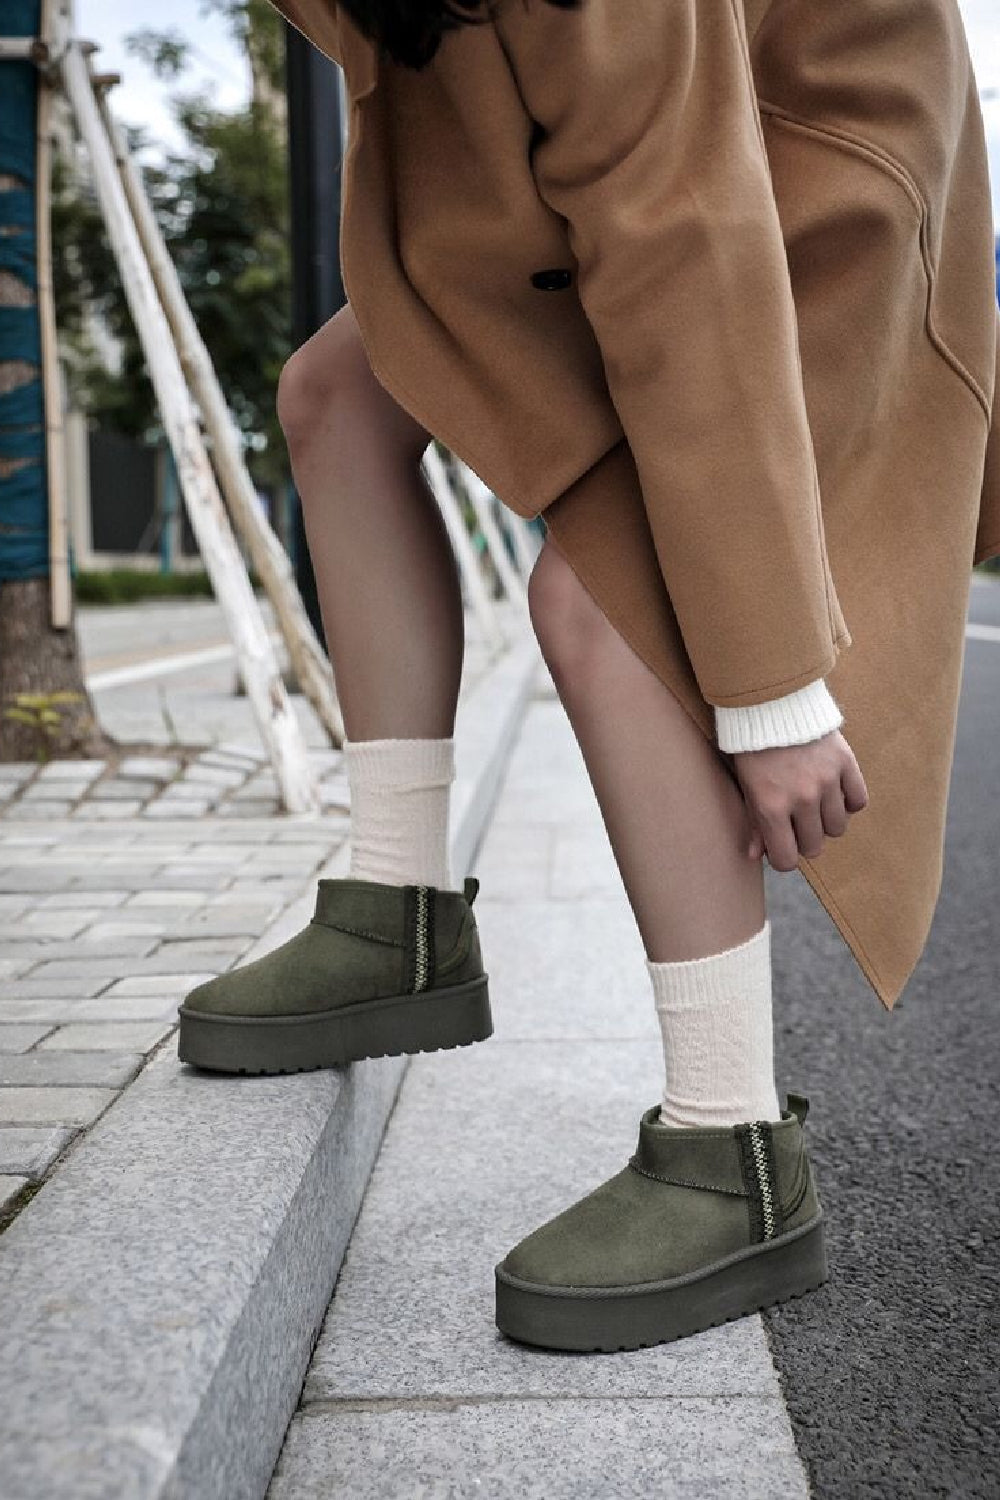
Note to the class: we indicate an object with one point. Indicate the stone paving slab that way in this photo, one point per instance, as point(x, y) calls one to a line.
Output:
point(39, 952)
point(93, 810)
point(65, 1012)
point(18, 1038)
point(10, 1187)
point(34, 810)
point(174, 983)
point(217, 955)
point(50, 924)
point(27, 988)
point(159, 1001)
point(52, 1105)
point(216, 922)
point(163, 963)
point(67, 1069)
point(570, 1449)
point(68, 900)
point(100, 1036)
point(47, 791)
point(55, 773)
point(412, 1390)
point(31, 1150)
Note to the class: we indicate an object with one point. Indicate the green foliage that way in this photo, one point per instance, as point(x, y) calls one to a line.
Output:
point(166, 52)
point(129, 585)
point(41, 712)
point(222, 204)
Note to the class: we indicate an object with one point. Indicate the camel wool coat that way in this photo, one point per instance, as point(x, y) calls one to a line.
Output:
point(709, 285)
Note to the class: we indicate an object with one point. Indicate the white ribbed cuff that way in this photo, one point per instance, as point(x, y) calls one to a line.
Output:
point(807, 714)
point(401, 763)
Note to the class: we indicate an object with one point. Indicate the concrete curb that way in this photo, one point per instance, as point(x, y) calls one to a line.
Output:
point(161, 1295)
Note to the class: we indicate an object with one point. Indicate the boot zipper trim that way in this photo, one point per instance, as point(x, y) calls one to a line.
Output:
point(760, 1165)
point(422, 955)
point(760, 1180)
point(420, 950)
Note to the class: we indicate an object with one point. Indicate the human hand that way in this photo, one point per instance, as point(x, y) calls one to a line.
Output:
point(795, 794)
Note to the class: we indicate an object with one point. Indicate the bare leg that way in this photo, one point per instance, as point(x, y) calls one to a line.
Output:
point(390, 598)
point(675, 817)
point(388, 585)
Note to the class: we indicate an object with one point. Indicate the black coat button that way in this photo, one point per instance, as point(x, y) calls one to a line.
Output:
point(552, 281)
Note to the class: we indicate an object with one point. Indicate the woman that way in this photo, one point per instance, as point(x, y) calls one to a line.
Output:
point(665, 274)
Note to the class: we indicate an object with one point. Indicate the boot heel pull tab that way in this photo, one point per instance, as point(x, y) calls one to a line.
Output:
point(799, 1106)
point(470, 887)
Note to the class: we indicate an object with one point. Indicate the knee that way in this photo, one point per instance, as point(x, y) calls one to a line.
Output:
point(317, 386)
point(574, 635)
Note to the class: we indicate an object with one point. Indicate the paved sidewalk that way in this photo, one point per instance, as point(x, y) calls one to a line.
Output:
point(411, 1390)
point(106, 934)
point(124, 885)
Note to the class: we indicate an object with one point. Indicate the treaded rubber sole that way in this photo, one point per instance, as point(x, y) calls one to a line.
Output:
point(427, 1021)
point(598, 1320)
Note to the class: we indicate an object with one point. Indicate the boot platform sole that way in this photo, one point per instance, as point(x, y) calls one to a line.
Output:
point(606, 1320)
point(427, 1021)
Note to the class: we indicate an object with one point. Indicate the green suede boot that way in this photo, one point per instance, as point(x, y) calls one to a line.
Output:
point(380, 969)
point(703, 1225)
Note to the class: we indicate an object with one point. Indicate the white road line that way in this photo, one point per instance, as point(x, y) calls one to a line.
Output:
point(983, 632)
point(159, 666)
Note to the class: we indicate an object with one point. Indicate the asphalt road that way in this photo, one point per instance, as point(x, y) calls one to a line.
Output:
point(892, 1370)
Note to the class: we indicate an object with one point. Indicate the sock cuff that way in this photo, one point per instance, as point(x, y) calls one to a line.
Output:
point(694, 983)
point(401, 763)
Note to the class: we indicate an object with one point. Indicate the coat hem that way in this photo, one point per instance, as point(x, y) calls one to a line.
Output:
point(528, 508)
point(826, 899)
point(988, 550)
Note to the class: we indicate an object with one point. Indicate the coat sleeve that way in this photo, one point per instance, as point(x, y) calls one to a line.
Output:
point(648, 142)
point(808, 713)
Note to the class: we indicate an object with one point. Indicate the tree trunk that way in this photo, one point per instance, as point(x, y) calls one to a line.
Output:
point(34, 658)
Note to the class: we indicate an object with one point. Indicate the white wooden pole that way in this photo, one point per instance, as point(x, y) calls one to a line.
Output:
point(481, 497)
point(276, 721)
point(465, 552)
point(75, 457)
point(309, 661)
point(21, 49)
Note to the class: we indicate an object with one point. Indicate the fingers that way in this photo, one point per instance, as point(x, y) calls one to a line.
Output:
point(807, 827)
point(833, 812)
point(791, 822)
point(855, 791)
point(778, 834)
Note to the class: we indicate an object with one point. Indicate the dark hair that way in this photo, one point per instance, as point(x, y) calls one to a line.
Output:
point(411, 30)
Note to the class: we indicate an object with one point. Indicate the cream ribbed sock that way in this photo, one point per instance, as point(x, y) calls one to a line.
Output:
point(400, 796)
point(718, 1040)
